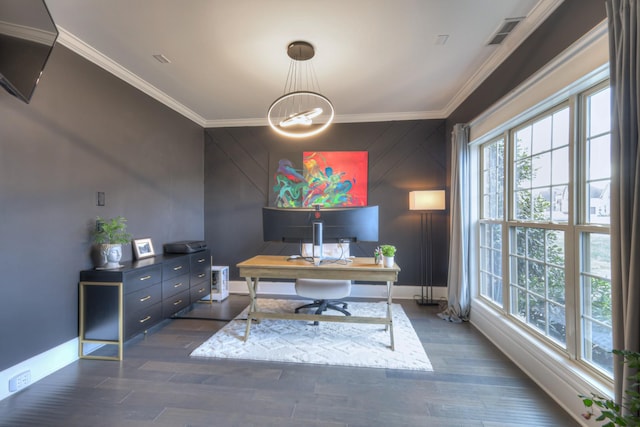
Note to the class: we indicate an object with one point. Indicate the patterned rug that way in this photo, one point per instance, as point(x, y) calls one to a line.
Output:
point(329, 343)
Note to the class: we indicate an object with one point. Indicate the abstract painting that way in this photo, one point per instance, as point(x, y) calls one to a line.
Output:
point(326, 178)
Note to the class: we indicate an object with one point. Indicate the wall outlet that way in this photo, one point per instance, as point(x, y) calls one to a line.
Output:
point(20, 381)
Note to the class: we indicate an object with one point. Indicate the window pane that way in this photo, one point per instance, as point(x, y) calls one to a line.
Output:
point(541, 135)
point(541, 165)
point(561, 128)
point(535, 243)
point(595, 279)
point(561, 166)
point(491, 262)
point(600, 112)
point(523, 143)
point(555, 247)
point(560, 208)
point(556, 284)
point(599, 202)
point(599, 157)
point(597, 254)
point(541, 204)
point(557, 327)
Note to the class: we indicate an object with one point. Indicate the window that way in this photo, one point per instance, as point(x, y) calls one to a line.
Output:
point(544, 245)
point(491, 231)
point(541, 168)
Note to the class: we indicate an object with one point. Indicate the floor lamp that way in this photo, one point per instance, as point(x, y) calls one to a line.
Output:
point(426, 202)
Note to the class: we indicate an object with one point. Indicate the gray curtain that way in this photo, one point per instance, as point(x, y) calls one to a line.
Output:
point(624, 42)
point(459, 293)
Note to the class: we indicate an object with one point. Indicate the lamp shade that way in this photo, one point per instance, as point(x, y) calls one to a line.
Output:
point(428, 200)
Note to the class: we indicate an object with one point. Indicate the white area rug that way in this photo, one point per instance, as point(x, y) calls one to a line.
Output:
point(329, 343)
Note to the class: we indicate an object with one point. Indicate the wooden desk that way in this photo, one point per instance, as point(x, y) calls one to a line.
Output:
point(278, 267)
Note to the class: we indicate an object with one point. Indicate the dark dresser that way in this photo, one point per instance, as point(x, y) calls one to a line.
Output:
point(116, 305)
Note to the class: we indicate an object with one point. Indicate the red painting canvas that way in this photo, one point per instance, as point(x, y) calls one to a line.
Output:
point(335, 178)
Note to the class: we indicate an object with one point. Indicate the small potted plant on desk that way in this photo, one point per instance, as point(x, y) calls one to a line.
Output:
point(388, 254)
point(108, 237)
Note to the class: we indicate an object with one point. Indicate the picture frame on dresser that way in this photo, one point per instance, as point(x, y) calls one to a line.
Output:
point(143, 248)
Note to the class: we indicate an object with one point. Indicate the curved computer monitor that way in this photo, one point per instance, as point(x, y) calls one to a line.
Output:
point(339, 225)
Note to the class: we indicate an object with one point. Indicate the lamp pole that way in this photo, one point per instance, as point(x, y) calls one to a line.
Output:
point(426, 202)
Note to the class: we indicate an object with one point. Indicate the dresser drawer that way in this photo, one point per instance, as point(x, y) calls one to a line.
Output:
point(175, 285)
point(199, 260)
point(199, 277)
point(173, 304)
point(143, 298)
point(139, 278)
point(199, 291)
point(142, 320)
point(175, 267)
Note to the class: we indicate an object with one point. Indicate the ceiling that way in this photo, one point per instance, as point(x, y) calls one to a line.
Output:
point(374, 59)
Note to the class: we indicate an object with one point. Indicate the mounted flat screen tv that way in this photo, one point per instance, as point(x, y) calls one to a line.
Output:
point(339, 225)
point(27, 36)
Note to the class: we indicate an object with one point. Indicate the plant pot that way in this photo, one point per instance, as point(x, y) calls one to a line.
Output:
point(98, 258)
point(107, 256)
point(388, 261)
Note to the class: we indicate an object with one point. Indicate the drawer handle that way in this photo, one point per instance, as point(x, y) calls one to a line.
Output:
point(145, 278)
point(177, 268)
point(178, 302)
point(145, 319)
point(177, 285)
point(201, 260)
point(145, 298)
point(201, 275)
point(201, 290)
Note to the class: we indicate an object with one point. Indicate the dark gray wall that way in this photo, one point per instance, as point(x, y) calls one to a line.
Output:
point(403, 156)
point(84, 131)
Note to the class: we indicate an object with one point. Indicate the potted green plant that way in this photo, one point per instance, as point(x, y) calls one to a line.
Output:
point(609, 410)
point(388, 255)
point(108, 237)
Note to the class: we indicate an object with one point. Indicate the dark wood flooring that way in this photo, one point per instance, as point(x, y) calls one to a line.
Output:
point(157, 384)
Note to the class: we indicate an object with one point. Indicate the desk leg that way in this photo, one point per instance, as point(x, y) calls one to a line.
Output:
point(389, 313)
point(253, 288)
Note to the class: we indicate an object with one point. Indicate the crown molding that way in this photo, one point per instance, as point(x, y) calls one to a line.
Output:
point(37, 35)
point(538, 15)
point(81, 48)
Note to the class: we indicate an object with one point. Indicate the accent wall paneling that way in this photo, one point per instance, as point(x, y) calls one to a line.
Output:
point(403, 156)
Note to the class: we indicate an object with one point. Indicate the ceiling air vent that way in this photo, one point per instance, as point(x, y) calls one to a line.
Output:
point(162, 59)
point(506, 28)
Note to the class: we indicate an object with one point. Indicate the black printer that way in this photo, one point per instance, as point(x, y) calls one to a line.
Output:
point(185, 247)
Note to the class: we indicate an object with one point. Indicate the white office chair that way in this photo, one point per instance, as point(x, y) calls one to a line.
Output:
point(324, 294)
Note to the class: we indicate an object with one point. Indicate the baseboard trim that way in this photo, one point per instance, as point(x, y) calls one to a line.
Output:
point(40, 365)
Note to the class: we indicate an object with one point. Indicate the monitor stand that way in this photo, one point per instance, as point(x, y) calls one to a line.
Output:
point(317, 243)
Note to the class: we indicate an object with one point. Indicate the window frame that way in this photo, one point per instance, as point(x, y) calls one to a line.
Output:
point(573, 229)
